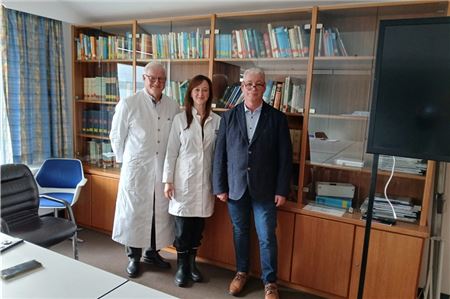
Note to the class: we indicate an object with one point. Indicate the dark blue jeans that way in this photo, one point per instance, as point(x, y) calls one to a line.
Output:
point(265, 217)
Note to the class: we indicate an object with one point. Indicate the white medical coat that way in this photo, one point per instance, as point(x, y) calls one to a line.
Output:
point(139, 134)
point(188, 165)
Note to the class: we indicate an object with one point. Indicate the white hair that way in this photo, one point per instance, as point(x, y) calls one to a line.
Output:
point(151, 66)
point(255, 70)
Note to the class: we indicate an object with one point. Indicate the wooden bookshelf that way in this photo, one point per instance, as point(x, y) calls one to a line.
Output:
point(335, 99)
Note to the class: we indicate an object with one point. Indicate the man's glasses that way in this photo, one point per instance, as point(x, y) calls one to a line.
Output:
point(250, 85)
point(154, 79)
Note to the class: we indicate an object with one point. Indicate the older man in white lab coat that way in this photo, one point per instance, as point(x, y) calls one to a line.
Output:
point(139, 133)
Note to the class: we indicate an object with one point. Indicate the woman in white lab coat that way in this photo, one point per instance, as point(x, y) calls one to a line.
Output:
point(187, 174)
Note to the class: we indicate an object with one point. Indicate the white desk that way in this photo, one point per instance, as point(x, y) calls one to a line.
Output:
point(134, 290)
point(60, 276)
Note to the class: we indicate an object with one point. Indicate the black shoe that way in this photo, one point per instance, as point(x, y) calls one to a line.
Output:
point(133, 269)
point(156, 259)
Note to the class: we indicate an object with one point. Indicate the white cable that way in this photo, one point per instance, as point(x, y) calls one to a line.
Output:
point(386, 186)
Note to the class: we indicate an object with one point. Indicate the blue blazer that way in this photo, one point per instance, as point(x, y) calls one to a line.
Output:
point(263, 165)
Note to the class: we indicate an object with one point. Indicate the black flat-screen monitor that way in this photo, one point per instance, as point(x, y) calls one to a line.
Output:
point(410, 114)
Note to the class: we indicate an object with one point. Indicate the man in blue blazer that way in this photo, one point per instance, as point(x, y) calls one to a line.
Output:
point(252, 171)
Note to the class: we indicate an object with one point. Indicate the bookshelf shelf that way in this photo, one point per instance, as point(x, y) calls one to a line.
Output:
point(269, 64)
point(342, 117)
point(196, 60)
point(343, 63)
point(108, 172)
point(93, 136)
point(368, 170)
point(95, 102)
point(128, 61)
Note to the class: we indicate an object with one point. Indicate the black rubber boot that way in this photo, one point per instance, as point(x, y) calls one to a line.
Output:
point(181, 277)
point(133, 268)
point(194, 272)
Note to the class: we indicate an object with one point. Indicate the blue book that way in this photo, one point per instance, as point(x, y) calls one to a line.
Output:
point(339, 202)
point(266, 95)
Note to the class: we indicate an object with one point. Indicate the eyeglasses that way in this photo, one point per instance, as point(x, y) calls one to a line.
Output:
point(250, 85)
point(154, 79)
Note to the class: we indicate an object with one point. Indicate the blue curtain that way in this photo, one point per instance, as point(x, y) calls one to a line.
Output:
point(38, 110)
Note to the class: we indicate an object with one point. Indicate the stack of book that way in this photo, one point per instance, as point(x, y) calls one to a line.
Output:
point(404, 208)
point(406, 165)
point(335, 194)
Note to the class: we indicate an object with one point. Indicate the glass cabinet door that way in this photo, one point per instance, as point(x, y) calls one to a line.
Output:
point(103, 75)
point(340, 97)
point(182, 45)
point(277, 43)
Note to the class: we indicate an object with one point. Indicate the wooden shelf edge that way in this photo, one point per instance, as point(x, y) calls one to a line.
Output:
point(104, 60)
point(404, 228)
point(93, 136)
point(95, 102)
point(107, 172)
point(189, 60)
point(397, 174)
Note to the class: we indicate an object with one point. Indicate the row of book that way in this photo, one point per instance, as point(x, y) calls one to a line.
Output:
point(176, 90)
point(97, 122)
point(173, 45)
point(101, 89)
point(330, 42)
point(404, 208)
point(287, 96)
point(100, 154)
point(278, 42)
point(90, 47)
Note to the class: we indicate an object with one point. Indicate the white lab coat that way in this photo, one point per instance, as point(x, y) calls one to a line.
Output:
point(188, 165)
point(139, 134)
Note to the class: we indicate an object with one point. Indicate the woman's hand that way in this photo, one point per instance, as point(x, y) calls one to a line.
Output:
point(169, 191)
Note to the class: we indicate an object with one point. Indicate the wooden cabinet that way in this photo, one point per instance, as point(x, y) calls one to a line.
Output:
point(104, 194)
point(285, 239)
point(96, 206)
point(217, 244)
point(393, 265)
point(218, 247)
point(82, 208)
point(322, 254)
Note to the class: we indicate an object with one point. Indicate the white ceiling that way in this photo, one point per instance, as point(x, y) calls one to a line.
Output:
point(94, 11)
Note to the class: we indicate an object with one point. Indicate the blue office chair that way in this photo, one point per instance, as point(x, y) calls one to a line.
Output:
point(61, 179)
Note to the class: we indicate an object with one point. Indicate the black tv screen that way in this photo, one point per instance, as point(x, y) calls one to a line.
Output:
point(410, 114)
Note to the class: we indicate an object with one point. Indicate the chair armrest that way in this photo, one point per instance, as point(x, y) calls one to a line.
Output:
point(65, 203)
point(4, 226)
point(82, 182)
